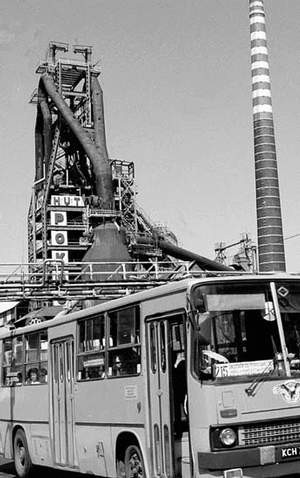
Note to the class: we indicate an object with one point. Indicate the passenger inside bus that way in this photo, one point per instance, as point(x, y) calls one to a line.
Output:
point(43, 375)
point(180, 394)
point(125, 362)
point(33, 376)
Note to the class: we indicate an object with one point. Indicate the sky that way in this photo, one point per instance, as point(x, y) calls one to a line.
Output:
point(177, 96)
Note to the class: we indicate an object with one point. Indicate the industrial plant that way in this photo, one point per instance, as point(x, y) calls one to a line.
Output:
point(88, 238)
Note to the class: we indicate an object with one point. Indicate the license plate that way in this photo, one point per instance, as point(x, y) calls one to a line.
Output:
point(289, 452)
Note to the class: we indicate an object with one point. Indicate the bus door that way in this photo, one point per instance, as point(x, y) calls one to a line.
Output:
point(165, 339)
point(62, 373)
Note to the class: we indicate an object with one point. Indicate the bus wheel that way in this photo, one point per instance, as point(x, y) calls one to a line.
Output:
point(22, 459)
point(134, 464)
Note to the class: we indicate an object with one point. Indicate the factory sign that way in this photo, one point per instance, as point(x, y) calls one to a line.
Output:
point(59, 238)
point(58, 218)
point(67, 201)
point(60, 255)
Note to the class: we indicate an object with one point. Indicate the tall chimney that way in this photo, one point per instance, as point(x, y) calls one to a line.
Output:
point(271, 255)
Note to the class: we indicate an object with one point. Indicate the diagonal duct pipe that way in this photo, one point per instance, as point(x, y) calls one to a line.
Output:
point(42, 134)
point(98, 118)
point(271, 255)
point(39, 145)
point(183, 254)
point(100, 163)
point(47, 135)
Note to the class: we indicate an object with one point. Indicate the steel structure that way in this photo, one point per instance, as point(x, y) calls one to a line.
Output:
point(57, 282)
point(80, 196)
point(244, 257)
point(87, 237)
point(67, 201)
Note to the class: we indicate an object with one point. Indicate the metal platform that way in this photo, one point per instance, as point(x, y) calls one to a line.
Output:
point(56, 280)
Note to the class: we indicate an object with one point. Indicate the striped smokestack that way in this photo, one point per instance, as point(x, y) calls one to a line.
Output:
point(269, 223)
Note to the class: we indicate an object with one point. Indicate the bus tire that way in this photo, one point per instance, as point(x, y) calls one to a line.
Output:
point(134, 463)
point(22, 460)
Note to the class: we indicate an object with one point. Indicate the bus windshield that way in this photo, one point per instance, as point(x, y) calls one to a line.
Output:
point(238, 333)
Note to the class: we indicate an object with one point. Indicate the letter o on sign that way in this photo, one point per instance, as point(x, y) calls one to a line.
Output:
point(59, 238)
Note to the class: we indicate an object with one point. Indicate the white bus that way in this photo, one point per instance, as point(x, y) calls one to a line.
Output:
point(196, 378)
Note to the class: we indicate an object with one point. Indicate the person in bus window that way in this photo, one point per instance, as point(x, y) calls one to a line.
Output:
point(33, 376)
point(43, 375)
point(20, 378)
point(117, 366)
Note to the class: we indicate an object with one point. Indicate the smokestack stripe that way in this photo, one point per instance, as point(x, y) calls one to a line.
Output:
point(269, 223)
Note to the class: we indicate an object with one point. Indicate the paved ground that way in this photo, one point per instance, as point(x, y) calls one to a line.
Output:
point(7, 471)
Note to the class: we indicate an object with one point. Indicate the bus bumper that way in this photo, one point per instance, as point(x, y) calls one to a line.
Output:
point(248, 457)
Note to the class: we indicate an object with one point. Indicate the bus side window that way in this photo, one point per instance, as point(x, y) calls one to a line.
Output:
point(7, 361)
point(91, 341)
point(124, 357)
point(36, 356)
point(124, 362)
point(43, 365)
point(13, 361)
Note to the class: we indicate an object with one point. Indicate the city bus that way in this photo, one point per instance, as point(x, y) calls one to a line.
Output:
point(196, 378)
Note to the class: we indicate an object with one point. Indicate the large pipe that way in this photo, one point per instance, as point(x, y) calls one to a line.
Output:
point(98, 118)
point(100, 136)
point(100, 167)
point(269, 222)
point(39, 145)
point(47, 135)
point(183, 254)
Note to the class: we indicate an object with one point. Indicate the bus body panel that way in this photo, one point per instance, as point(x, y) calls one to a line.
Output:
point(126, 412)
point(33, 399)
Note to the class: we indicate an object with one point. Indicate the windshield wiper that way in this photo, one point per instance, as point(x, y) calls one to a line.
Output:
point(251, 390)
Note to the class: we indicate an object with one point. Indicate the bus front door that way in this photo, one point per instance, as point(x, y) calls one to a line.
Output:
point(165, 339)
point(62, 413)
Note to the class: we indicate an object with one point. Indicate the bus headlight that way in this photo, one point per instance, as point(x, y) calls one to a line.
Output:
point(227, 437)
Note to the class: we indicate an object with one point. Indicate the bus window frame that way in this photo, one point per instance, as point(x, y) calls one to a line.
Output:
point(23, 366)
point(107, 348)
point(99, 352)
point(126, 346)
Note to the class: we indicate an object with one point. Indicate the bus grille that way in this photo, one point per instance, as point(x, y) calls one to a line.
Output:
point(269, 433)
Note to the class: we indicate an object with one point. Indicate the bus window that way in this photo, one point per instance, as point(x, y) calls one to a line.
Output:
point(237, 334)
point(124, 342)
point(91, 359)
point(7, 361)
point(153, 348)
point(163, 357)
point(124, 362)
point(13, 361)
point(43, 371)
point(36, 356)
point(18, 360)
point(123, 327)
